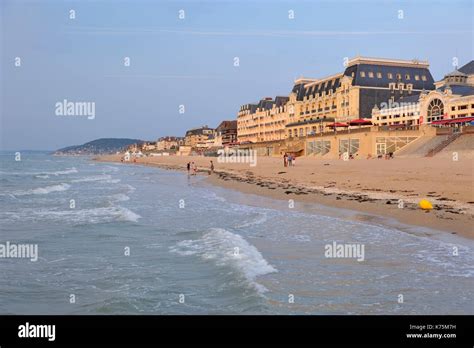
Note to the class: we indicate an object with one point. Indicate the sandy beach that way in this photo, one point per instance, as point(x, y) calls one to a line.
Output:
point(370, 186)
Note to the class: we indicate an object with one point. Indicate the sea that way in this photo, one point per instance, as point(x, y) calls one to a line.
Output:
point(117, 238)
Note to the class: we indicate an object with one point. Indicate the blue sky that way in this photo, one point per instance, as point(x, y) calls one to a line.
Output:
point(190, 62)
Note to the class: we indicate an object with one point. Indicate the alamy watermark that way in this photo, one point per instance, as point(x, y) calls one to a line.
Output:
point(69, 108)
point(237, 156)
point(385, 107)
point(346, 251)
point(19, 251)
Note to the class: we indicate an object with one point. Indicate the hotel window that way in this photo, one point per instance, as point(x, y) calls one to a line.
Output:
point(391, 86)
point(423, 77)
point(362, 74)
point(379, 75)
point(399, 76)
point(371, 74)
point(417, 77)
point(390, 76)
point(407, 76)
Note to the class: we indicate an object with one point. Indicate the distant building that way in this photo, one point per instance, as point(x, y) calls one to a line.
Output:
point(226, 133)
point(169, 143)
point(451, 102)
point(197, 137)
point(148, 146)
point(264, 121)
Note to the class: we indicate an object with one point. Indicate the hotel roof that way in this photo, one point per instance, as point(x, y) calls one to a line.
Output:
point(197, 131)
point(462, 90)
point(225, 125)
point(414, 63)
point(379, 68)
point(467, 68)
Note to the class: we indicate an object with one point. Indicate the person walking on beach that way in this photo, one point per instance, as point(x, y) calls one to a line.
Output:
point(212, 168)
point(285, 160)
point(290, 160)
point(194, 168)
point(188, 166)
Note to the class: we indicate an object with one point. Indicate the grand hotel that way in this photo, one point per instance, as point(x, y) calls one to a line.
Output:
point(325, 115)
point(313, 104)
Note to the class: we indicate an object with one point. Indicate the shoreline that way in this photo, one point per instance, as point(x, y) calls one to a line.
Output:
point(450, 216)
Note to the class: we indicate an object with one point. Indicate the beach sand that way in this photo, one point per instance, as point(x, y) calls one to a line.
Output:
point(370, 186)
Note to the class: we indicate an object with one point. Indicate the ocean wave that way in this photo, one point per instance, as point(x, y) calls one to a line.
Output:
point(43, 190)
point(42, 176)
point(67, 171)
point(72, 170)
point(228, 249)
point(260, 219)
point(119, 197)
point(82, 216)
point(129, 188)
point(111, 168)
point(93, 178)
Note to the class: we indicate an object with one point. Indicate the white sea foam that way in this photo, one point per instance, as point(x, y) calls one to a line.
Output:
point(64, 172)
point(43, 190)
point(119, 197)
point(228, 249)
point(111, 168)
point(93, 178)
point(129, 188)
point(260, 219)
point(79, 216)
point(42, 176)
point(55, 173)
point(112, 181)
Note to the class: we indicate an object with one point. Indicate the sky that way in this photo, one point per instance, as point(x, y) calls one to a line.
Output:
point(190, 61)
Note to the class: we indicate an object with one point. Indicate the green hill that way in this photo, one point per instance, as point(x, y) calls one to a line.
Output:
point(98, 147)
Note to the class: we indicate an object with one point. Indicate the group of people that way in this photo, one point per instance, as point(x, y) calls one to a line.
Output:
point(192, 168)
point(289, 160)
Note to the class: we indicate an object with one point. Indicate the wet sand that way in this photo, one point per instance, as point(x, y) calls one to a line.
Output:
point(370, 186)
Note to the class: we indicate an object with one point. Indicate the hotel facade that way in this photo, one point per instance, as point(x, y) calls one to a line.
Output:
point(264, 121)
point(451, 102)
point(372, 108)
point(313, 104)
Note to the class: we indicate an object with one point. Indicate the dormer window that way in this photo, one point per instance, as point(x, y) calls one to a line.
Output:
point(371, 74)
point(379, 75)
point(390, 76)
point(417, 77)
point(423, 77)
point(407, 76)
point(399, 76)
point(362, 74)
